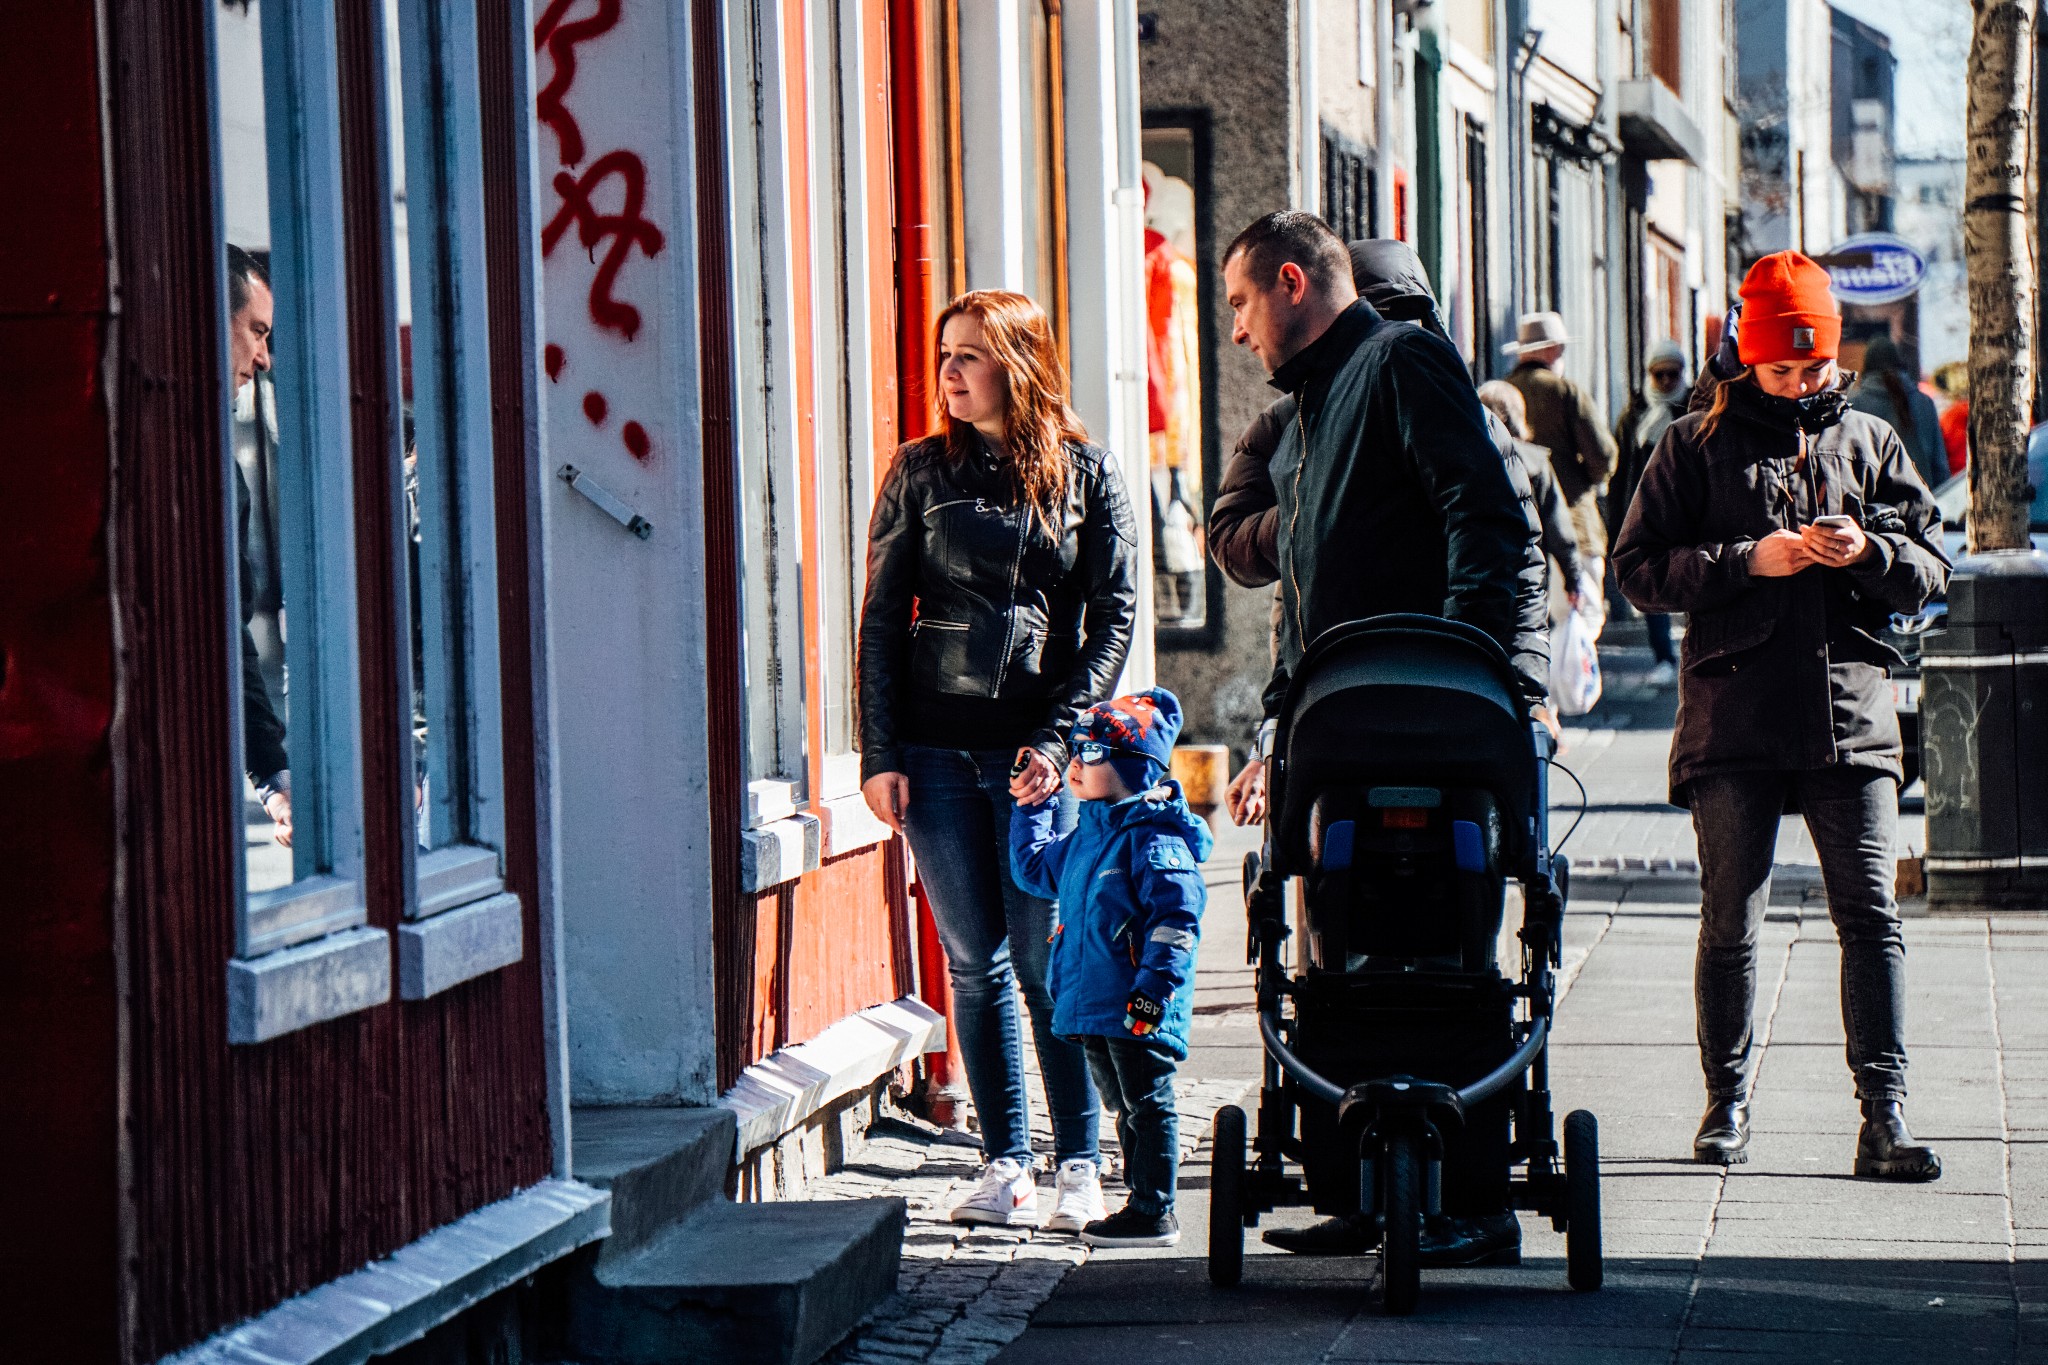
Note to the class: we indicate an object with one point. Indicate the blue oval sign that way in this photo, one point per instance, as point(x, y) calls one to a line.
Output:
point(1875, 267)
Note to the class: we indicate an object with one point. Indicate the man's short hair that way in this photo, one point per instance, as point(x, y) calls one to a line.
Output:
point(242, 268)
point(1301, 238)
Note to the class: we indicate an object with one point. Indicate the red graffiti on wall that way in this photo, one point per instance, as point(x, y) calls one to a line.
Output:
point(560, 36)
point(626, 229)
point(560, 40)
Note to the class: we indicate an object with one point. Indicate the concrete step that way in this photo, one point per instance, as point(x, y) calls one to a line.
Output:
point(661, 1166)
point(776, 1283)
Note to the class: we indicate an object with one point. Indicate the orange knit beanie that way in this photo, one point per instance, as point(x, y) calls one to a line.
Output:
point(1788, 312)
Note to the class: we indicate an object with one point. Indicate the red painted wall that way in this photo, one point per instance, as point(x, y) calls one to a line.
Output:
point(57, 981)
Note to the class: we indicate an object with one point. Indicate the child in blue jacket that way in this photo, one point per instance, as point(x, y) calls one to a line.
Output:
point(1129, 884)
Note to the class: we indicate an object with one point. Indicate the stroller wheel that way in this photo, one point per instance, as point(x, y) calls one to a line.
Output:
point(1582, 1200)
point(1226, 1197)
point(1401, 1242)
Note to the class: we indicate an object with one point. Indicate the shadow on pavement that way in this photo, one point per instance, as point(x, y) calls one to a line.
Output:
point(1289, 1309)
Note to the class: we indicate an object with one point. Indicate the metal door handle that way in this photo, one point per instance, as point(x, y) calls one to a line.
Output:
point(608, 502)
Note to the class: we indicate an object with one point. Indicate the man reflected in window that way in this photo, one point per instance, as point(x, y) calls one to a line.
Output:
point(263, 732)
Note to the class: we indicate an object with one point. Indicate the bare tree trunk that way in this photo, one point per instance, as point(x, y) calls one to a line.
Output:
point(2000, 261)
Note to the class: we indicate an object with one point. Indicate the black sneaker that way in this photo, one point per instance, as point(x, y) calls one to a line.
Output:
point(1129, 1228)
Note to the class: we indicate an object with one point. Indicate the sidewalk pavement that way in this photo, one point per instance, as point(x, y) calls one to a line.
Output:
point(1785, 1258)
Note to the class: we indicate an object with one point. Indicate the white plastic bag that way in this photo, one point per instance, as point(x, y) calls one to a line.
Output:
point(1575, 661)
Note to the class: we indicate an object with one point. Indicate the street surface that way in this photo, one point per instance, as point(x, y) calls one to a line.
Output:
point(1785, 1258)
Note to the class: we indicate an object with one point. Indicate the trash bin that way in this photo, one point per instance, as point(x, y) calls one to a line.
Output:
point(1984, 737)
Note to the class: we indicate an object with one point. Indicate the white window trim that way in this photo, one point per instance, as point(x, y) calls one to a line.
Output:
point(763, 293)
point(452, 432)
point(841, 769)
point(303, 146)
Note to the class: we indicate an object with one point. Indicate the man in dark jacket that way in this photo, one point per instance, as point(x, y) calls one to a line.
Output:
point(1393, 497)
point(1244, 521)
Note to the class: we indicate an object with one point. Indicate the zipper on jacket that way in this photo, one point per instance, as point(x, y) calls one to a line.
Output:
point(1016, 572)
point(1294, 522)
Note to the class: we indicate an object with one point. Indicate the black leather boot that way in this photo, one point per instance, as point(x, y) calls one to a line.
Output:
point(1492, 1240)
point(1723, 1139)
point(1886, 1151)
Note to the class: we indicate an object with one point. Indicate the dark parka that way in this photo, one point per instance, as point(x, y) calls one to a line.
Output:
point(1002, 609)
point(1780, 673)
point(1244, 521)
point(1393, 496)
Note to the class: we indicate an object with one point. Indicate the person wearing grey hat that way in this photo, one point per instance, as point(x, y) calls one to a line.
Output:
point(1660, 401)
point(1564, 420)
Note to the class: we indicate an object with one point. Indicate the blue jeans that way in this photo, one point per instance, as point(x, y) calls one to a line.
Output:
point(1136, 1080)
point(996, 939)
point(1853, 815)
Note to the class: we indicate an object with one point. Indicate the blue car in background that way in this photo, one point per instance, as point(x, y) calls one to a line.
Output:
point(1907, 632)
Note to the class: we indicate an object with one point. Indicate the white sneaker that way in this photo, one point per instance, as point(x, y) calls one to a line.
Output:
point(1662, 674)
point(1077, 1196)
point(1007, 1196)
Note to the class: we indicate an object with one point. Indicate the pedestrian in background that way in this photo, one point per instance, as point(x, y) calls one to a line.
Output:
point(1128, 879)
point(1789, 528)
point(1564, 420)
point(266, 754)
point(1953, 381)
point(1887, 392)
point(1000, 601)
point(1655, 406)
point(1554, 518)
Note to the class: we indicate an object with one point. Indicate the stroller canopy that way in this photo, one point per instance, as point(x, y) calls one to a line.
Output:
point(1405, 700)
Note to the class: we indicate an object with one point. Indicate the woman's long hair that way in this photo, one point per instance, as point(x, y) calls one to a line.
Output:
point(1718, 408)
point(1037, 422)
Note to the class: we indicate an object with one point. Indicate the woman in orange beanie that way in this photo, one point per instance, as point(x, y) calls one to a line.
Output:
point(1789, 528)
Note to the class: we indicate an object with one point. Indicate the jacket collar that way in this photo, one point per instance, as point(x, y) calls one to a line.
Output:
point(1812, 416)
point(1328, 351)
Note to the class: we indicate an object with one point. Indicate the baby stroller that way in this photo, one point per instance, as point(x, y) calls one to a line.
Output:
point(1406, 786)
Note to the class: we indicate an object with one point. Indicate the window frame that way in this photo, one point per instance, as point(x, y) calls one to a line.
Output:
point(769, 454)
point(303, 158)
point(452, 431)
point(848, 223)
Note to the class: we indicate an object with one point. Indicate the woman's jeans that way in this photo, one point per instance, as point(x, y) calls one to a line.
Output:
point(996, 937)
point(1136, 1079)
point(1853, 816)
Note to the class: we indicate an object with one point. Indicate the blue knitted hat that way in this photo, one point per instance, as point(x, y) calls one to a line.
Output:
point(1141, 728)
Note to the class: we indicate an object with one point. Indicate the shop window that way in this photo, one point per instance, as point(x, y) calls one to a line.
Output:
point(1044, 146)
point(288, 510)
point(766, 116)
point(1183, 581)
point(311, 578)
point(448, 620)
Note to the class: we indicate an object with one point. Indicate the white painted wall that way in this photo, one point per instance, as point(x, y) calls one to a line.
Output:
point(627, 666)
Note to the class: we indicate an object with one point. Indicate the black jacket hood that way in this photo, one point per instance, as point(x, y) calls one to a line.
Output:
point(1389, 275)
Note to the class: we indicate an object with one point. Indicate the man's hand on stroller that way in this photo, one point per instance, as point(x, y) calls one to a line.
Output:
point(1245, 797)
point(1142, 1014)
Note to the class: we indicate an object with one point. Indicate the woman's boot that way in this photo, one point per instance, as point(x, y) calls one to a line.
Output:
point(1723, 1139)
point(1886, 1151)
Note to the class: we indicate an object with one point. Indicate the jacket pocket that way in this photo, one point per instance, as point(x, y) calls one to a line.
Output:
point(1716, 641)
point(939, 654)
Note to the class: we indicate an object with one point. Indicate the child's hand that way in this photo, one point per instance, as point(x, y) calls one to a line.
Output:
point(1142, 1014)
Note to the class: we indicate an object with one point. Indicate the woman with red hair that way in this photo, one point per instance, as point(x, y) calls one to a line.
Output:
point(1001, 596)
point(1789, 528)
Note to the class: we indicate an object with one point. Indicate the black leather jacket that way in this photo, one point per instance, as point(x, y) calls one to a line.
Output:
point(1000, 610)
